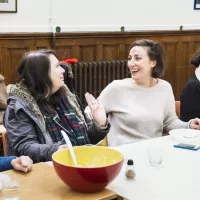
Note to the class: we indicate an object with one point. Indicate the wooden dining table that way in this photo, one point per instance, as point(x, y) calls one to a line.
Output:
point(43, 183)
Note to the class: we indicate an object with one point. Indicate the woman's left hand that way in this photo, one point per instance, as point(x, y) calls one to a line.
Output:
point(97, 110)
point(195, 124)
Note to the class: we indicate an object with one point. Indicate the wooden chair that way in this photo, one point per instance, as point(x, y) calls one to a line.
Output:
point(104, 142)
point(4, 141)
point(177, 105)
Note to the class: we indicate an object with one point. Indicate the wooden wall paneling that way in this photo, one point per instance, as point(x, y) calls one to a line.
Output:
point(180, 70)
point(190, 67)
point(171, 62)
point(193, 41)
point(43, 44)
point(127, 47)
point(187, 51)
point(86, 47)
point(111, 52)
point(122, 51)
point(13, 47)
point(196, 45)
point(10, 61)
point(63, 52)
point(15, 55)
point(99, 52)
point(76, 52)
point(88, 52)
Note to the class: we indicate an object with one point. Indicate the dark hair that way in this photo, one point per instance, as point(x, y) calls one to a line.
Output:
point(68, 77)
point(34, 71)
point(195, 59)
point(155, 53)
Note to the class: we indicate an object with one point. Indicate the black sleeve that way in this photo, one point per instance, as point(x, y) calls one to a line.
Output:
point(95, 133)
point(190, 98)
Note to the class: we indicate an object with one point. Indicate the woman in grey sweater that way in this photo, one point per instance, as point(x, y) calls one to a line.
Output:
point(143, 106)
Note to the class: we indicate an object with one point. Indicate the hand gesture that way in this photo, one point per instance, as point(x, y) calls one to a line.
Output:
point(195, 123)
point(23, 163)
point(97, 110)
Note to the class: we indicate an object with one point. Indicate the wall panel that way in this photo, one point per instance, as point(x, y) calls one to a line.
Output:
point(99, 46)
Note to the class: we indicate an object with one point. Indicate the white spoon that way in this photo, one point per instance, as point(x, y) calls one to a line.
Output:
point(70, 147)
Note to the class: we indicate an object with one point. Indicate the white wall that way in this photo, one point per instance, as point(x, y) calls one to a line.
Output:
point(102, 15)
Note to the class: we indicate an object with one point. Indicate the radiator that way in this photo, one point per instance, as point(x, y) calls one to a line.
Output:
point(93, 77)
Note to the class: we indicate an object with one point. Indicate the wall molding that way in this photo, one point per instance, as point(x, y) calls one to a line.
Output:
point(93, 28)
point(72, 35)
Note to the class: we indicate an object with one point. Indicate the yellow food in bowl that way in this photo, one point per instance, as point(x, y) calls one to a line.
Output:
point(89, 156)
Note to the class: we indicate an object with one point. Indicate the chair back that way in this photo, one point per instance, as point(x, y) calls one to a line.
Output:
point(177, 105)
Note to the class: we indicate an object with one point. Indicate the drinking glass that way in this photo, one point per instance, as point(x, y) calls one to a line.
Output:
point(155, 156)
point(10, 189)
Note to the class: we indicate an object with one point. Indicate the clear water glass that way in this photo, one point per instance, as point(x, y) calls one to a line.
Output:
point(10, 190)
point(155, 156)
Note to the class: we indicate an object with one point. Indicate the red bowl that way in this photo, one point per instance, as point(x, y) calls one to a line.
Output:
point(97, 167)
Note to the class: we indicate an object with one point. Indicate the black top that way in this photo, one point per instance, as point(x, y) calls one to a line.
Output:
point(190, 100)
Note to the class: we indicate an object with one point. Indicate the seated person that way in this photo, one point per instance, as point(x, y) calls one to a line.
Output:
point(41, 105)
point(190, 96)
point(23, 163)
point(143, 106)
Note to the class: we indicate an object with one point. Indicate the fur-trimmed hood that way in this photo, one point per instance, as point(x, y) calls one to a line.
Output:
point(21, 92)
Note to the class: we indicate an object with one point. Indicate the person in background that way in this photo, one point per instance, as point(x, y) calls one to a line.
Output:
point(23, 163)
point(41, 105)
point(143, 106)
point(190, 96)
point(3, 98)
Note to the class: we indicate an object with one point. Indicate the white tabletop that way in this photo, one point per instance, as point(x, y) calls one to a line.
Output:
point(178, 177)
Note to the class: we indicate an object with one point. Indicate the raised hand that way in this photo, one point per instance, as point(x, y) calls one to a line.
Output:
point(97, 110)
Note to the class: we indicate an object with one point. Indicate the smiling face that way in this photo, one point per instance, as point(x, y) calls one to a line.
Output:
point(56, 73)
point(140, 65)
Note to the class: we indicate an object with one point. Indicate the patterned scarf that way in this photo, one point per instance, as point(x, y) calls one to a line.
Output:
point(65, 119)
